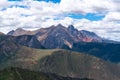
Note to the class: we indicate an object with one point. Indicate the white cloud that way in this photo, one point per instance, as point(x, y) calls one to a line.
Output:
point(87, 6)
point(112, 16)
point(30, 14)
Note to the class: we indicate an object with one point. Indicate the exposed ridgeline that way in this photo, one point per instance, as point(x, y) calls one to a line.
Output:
point(20, 31)
point(60, 62)
point(57, 36)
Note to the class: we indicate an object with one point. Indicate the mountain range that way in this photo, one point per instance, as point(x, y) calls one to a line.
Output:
point(57, 36)
point(68, 38)
point(50, 54)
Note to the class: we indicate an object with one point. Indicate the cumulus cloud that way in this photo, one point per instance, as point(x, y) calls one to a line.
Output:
point(87, 6)
point(32, 14)
point(112, 17)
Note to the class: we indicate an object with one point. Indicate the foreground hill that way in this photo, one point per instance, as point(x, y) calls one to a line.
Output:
point(60, 62)
point(23, 74)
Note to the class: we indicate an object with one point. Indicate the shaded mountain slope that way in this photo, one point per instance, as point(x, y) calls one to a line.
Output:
point(25, 40)
point(107, 51)
point(23, 74)
point(29, 41)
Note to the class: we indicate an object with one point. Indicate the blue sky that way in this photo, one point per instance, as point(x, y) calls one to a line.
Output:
point(99, 16)
point(89, 16)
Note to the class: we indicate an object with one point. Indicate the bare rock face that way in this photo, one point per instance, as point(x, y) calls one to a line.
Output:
point(29, 41)
point(57, 36)
point(83, 35)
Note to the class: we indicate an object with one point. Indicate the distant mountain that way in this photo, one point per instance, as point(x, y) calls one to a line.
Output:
point(57, 36)
point(25, 40)
point(20, 31)
point(83, 35)
point(24, 74)
point(29, 41)
point(60, 62)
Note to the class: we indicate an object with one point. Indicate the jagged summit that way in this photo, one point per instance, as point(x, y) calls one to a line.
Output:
point(71, 27)
point(60, 25)
point(19, 29)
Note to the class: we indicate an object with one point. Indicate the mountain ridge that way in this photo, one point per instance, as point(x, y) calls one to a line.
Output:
point(57, 36)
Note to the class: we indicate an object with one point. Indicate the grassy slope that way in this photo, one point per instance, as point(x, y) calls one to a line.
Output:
point(79, 65)
point(25, 56)
point(64, 63)
point(23, 74)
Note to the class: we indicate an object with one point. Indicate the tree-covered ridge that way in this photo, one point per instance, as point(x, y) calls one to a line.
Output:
point(106, 51)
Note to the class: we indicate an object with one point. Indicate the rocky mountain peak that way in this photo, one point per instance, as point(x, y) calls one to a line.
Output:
point(17, 32)
point(20, 29)
point(71, 27)
point(11, 32)
point(60, 26)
